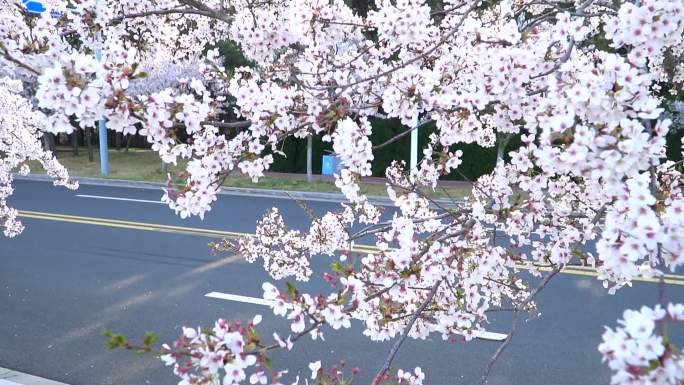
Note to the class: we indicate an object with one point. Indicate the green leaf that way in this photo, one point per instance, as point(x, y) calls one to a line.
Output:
point(337, 267)
point(292, 291)
point(114, 341)
point(150, 339)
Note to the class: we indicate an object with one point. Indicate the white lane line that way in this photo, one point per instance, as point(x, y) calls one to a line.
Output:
point(119, 199)
point(239, 298)
point(489, 336)
point(484, 335)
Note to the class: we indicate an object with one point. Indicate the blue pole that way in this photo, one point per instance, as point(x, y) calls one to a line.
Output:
point(104, 154)
point(102, 127)
point(414, 148)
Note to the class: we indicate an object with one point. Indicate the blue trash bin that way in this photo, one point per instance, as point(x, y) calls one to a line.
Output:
point(328, 167)
point(35, 7)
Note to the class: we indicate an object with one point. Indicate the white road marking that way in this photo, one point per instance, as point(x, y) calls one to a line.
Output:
point(239, 298)
point(119, 199)
point(490, 336)
point(484, 335)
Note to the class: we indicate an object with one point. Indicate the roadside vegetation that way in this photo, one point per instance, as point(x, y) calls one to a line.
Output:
point(144, 165)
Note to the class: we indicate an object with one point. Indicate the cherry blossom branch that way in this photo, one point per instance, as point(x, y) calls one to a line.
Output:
point(319, 322)
point(518, 309)
point(393, 351)
point(297, 336)
point(447, 11)
point(9, 57)
point(402, 134)
point(431, 199)
point(161, 12)
point(219, 124)
point(383, 226)
point(201, 6)
point(434, 48)
point(361, 53)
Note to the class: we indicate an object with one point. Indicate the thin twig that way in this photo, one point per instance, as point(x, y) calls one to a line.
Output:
point(9, 57)
point(441, 42)
point(407, 329)
point(401, 134)
point(172, 11)
point(514, 325)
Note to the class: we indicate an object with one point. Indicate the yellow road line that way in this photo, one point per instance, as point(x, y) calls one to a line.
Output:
point(153, 227)
point(671, 279)
point(576, 269)
point(128, 224)
point(591, 269)
point(580, 270)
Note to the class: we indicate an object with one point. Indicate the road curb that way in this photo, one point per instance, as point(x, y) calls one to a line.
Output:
point(12, 377)
point(235, 191)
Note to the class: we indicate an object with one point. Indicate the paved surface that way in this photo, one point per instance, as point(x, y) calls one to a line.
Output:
point(309, 196)
point(62, 283)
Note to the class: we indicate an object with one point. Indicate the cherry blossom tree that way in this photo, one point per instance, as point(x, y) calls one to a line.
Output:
point(20, 132)
point(583, 83)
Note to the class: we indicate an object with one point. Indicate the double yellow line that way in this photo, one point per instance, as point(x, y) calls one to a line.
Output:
point(129, 225)
point(588, 271)
point(670, 279)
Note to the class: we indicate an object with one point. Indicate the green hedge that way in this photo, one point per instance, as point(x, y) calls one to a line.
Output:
point(476, 160)
point(674, 145)
point(295, 159)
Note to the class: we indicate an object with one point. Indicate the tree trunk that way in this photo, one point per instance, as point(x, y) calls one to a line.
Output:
point(118, 139)
point(49, 141)
point(89, 141)
point(309, 167)
point(74, 142)
point(129, 140)
point(46, 142)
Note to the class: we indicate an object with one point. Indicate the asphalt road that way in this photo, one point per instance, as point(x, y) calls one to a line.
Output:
point(62, 283)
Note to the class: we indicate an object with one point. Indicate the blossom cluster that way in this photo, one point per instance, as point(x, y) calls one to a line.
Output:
point(640, 352)
point(68, 88)
point(650, 28)
point(20, 134)
point(282, 250)
point(222, 354)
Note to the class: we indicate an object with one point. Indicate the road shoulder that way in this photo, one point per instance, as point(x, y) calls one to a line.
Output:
point(235, 191)
point(12, 377)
